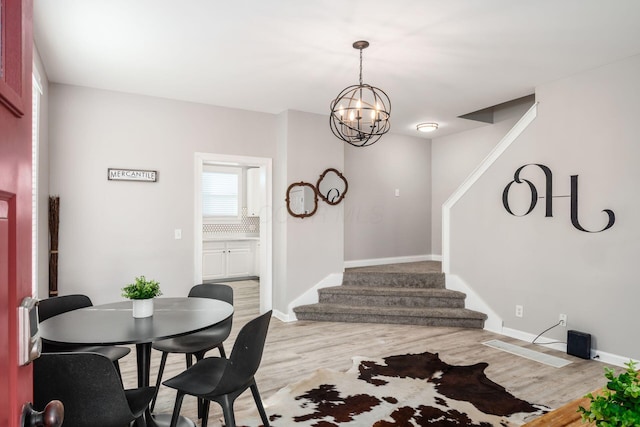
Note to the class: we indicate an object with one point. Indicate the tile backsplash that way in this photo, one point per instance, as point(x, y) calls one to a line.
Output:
point(247, 225)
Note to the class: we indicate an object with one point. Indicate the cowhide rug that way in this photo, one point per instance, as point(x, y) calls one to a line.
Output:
point(405, 390)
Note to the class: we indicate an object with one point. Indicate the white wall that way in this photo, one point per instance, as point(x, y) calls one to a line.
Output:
point(315, 245)
point(279, 222)
point(456, 156)
point(112, 231)
point(377, 223)
point(587, 125)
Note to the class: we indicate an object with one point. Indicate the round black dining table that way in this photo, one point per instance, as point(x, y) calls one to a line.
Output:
point(114, 324)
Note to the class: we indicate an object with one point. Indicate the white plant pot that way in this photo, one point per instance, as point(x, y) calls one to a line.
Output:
point(142, 308)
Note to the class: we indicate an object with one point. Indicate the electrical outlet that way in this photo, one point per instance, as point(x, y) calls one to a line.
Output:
point(519, 311)
point(563, 320)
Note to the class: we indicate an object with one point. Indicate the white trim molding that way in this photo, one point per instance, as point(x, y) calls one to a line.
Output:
point(473, 301)
point(309, 297)
point(266, 217)
point(497, 151)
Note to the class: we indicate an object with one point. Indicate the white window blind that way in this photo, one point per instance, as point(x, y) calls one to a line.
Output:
point(221, 193)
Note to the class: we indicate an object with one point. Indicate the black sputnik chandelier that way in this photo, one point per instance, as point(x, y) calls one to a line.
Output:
point(360, 113)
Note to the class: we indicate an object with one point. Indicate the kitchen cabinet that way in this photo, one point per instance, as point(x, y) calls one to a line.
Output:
point(227, 259)
point(255, 187)
point(214, 260)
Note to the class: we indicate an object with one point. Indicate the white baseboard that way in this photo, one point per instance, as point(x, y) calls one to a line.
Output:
point(597, 355)
point(475, 302)
point(391, 260)
point(282, 316)
point(494, 324)
point(309, 297)
point(614, 359)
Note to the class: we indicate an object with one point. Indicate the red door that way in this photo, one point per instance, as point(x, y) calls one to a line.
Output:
point(15, 199)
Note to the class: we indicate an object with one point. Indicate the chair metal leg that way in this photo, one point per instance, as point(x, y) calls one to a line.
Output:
point(163, 361)
point(227, 410)
point(221, 350)
point(176, 409)
point(199, 356)
point(256, 397)
point(205, 413)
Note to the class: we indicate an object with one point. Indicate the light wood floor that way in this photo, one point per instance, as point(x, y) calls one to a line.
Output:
point(294, 350)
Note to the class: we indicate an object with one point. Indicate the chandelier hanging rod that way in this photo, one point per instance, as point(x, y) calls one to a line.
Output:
point(360, 45)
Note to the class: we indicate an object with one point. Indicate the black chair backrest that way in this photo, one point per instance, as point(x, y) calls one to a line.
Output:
point(57, 305)
point(88, 386)
point(246, 354)
point(217, 291)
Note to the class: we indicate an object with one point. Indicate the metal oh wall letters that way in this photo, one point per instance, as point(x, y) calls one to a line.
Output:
point(548, 196)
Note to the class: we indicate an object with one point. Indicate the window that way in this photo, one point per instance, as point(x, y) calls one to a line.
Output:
point(221, 194)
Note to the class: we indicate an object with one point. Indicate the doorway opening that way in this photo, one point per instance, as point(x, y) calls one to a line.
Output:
point(264, 250)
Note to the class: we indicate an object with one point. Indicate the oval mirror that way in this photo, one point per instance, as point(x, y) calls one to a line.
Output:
point(332, 186)
point(302, 199)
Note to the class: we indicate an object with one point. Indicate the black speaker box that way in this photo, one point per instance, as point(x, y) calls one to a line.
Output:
point(579, 344)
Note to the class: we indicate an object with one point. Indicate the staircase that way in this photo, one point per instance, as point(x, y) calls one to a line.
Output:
point(412, 293)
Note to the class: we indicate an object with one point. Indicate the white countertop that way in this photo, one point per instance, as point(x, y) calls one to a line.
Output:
point(227, 238)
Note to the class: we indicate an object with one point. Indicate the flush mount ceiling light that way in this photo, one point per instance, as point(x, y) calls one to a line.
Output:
point(360, 113)
point(427, 127)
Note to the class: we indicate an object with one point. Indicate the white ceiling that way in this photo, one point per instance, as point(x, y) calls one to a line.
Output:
point(436, 59)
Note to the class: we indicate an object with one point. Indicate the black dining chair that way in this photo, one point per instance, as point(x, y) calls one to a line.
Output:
point(197, 343)
point(223, 380)
point(57, 305)
point(89, 387)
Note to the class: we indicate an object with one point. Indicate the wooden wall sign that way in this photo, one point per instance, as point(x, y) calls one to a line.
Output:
point(132, 175)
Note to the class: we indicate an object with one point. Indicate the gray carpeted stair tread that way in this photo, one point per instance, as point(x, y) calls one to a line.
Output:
point(451, 317)
point(391, 296)
point(409, 280)
point(380, 290)
point(450, 313)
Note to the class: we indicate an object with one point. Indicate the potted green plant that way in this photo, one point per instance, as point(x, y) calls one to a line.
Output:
point(142, 292)
point(619, 403)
